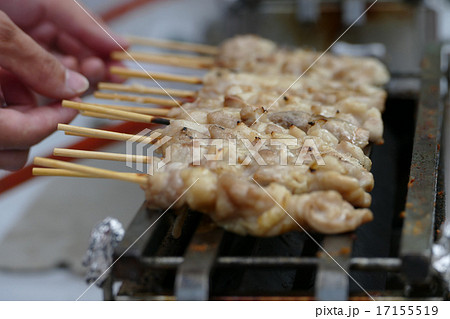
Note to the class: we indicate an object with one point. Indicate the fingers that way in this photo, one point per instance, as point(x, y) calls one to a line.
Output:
point(14, 91)
point(25, 13)
point(13, 160)
point(45, 34)
point(37, 68)
point(20, 130)
point(68, 16)
point(94, 69)
point(112, 77)
point(69, 45)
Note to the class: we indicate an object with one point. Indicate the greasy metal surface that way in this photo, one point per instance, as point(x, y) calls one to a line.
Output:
point(417, 234)
point(193, 276)
point(332, 282)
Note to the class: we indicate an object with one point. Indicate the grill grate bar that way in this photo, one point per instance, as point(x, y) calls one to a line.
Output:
point(193, 275)
point(356, 263)
point(418, 229)
point(332, 281)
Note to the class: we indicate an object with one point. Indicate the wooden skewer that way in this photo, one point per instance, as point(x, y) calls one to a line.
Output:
point(127, 73)
point(96, 133)
point(135, 109)
point(117, 114)
point(101, 116)
point(135, 88)
point(83, 135)
point(38, 171)
point(96, 172)
point(193, 63)
point(102, 156)
point(177, 56)
point(137, 99)
point(174, 45)
point(140, 109)
point(158, 120)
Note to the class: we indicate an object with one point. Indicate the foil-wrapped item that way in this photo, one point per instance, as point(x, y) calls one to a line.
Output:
point(441, 254)
point(105, 237)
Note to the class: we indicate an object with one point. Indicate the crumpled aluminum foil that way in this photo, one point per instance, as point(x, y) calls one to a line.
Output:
point(105, 237)
point(441, 254)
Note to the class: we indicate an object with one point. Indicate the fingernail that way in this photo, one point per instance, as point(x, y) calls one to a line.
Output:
point(75, 82)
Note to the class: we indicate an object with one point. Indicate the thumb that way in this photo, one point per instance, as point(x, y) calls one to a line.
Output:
point(34, 66)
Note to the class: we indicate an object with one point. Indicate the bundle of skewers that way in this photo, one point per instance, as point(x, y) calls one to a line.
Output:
point(281, 133)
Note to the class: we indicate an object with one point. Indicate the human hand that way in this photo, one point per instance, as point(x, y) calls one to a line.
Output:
point(63, 28)
point(27, 67)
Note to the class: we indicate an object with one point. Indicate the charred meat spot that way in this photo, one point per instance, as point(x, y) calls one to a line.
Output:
point(337, 111)
point(184, 129)
point(285, 98)
point(312, 170)
point(238, 122)
point(311, 123)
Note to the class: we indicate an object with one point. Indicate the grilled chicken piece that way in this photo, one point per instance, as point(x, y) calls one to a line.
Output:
point(300, 180)
point(259, 214)
point(342, 130)
point(359, 105)
point(339, 156)
point(241, 206)
point(253, 54)
point(338, 172)
point(220, 82)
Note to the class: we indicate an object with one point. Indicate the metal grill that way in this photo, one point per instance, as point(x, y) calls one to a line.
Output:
point(390, 257)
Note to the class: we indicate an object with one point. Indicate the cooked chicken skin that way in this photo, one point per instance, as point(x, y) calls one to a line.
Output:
point(340, 170)
point(253, 54)
point(243, 207)
point(360, 105)
point(219, 82)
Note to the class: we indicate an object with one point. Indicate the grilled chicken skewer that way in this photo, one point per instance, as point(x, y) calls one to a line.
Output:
point(357, 104)
point(323, 211)
point(298, 179)
point(326, 107)
point(174, 45)
point(253, 54)
point(244, 207)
